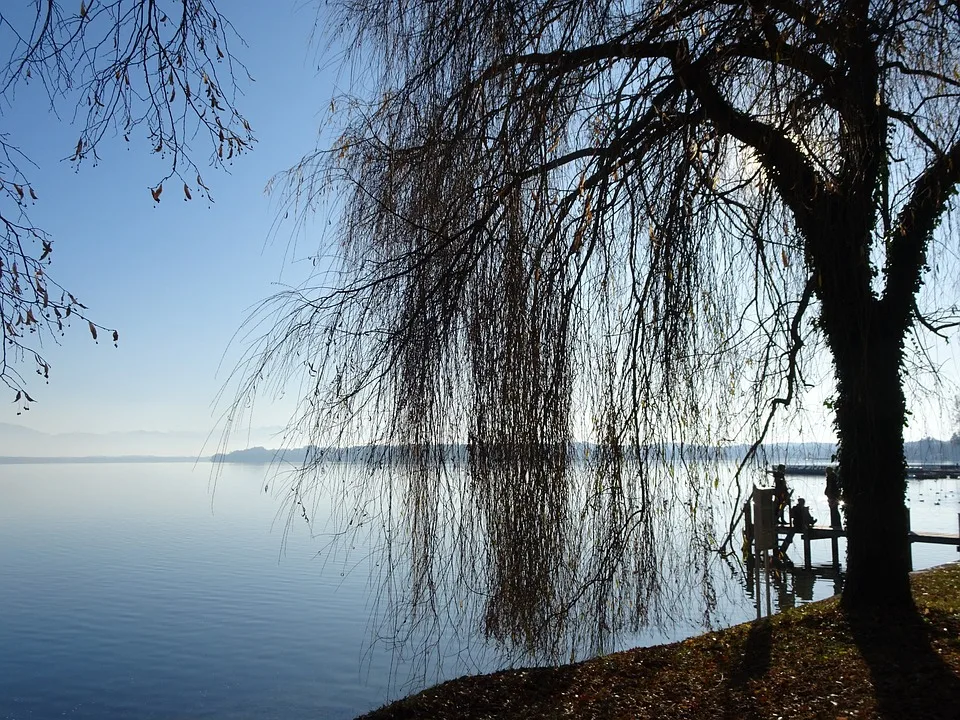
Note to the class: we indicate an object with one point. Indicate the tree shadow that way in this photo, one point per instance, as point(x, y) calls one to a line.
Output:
point(910, 679)
point(753, 664)
point(755, 661)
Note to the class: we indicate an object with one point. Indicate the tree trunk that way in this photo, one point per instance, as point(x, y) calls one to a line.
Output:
point(870, 416)
point(865, 333)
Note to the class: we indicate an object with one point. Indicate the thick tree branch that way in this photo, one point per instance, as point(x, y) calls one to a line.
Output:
point(792, 173)
point(796, 58)
point(786, 54)
point(907, 248)
point(812, 21)
point(563, 61)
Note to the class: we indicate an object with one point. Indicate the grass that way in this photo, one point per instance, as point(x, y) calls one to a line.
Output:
point(808, 662)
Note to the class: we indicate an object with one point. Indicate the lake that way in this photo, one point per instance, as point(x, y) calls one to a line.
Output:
point(134, 590)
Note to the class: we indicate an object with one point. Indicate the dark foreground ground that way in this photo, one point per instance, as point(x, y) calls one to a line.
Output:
point(810, 662)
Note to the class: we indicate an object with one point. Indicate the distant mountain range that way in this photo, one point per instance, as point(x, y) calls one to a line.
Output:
point(18, 441)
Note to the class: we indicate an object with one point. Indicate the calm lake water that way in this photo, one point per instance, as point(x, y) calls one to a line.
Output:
point(130, 590)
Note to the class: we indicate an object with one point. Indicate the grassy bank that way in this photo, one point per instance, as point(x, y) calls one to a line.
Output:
point(809, 662)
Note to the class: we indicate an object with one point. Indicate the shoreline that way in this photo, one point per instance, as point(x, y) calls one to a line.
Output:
point(806, 662)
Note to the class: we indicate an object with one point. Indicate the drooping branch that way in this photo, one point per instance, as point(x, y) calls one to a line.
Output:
point(598, 222)
point(128, 67)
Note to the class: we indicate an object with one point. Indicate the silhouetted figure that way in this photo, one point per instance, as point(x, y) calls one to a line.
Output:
point(832, 491)
point(800, 517)
point(781, 494)
point(800, 520)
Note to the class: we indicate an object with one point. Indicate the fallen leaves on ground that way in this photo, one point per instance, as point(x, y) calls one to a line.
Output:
point(808, 662)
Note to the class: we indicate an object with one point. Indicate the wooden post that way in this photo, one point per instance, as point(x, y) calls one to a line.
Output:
point(754, 553)
point(835, 548)
point(764, 526)
point(909, 539)
point(767, 559)
point(958, 530)
point(764, 536)
point(806, 549)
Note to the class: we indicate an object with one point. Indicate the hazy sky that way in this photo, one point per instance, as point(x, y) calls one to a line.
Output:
point(176, 278)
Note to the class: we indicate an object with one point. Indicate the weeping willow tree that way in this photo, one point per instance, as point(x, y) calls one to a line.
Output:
point(153, 71)
point(636, 224)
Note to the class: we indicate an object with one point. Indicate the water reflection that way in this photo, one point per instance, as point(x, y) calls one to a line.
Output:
point(181, 603)
point(790, 585)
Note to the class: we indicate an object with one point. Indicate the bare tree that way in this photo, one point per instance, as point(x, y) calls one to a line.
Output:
point(634, 223)
point(156, 70)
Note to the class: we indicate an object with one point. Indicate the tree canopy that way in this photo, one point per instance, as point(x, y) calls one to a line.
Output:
point(157, 72)
point(636, 224)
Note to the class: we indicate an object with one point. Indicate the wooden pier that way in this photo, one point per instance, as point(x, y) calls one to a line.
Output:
point(820, 532)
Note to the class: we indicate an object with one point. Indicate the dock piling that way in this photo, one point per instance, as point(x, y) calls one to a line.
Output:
point(909, 544)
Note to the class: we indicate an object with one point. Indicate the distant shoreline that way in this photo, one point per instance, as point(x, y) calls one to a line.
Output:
point(803, 458)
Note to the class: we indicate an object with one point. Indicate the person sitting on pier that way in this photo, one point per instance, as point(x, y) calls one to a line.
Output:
point(832, 491)
point(800, 520)
point(781, 495)
point(800, 517)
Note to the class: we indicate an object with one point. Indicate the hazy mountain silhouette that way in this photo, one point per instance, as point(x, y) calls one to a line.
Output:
point(21, 441)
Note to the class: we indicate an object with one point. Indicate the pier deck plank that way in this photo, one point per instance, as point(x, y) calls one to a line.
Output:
point(822, 532)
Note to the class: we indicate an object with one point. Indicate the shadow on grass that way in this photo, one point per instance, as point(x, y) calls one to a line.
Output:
point(910, 678)
point(753, 664)
point(755, 661)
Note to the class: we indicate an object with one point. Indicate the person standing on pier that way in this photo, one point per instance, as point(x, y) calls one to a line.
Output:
point(832, 491)
point(781, 495)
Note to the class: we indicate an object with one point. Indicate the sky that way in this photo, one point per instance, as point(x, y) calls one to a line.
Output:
point(177, 279)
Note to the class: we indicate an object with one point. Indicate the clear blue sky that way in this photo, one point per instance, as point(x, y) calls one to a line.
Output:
point(177, 278)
